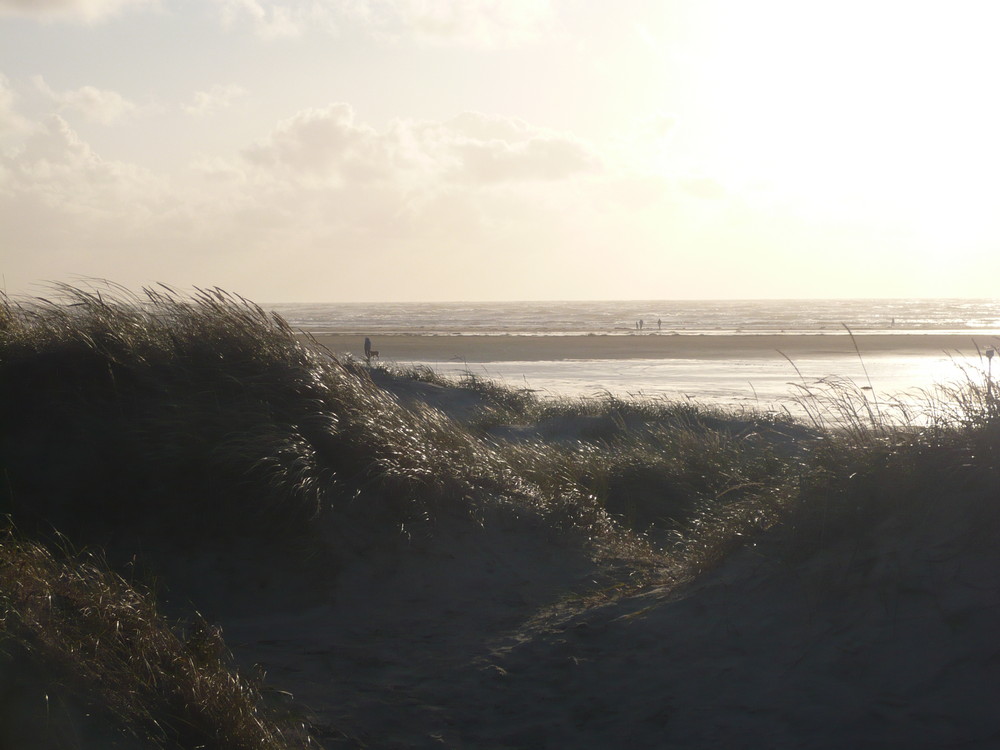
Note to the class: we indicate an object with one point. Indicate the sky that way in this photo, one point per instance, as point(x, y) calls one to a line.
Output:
point(408, 150)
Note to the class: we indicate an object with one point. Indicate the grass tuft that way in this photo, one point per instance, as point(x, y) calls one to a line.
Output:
point(101, 643)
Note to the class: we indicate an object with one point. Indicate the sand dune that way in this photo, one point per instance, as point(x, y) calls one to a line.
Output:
point(417, 565)
point(479, 638)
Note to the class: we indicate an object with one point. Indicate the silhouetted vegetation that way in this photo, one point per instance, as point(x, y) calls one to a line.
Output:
point(161, 419)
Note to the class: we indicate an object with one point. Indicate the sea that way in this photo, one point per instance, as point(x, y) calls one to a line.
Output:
point(765, 383)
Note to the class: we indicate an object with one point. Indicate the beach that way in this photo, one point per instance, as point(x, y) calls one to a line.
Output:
point(766, 370)
point(375, 558)
point(531, 348)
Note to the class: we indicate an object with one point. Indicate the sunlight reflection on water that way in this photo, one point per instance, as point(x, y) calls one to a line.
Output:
point(763, 383)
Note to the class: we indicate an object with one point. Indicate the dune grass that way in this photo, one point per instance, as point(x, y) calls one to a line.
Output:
point(196, 419)
point(138, 420)
point(635, 474)
point(96, 642)
point(161, 407)
point(699, 480)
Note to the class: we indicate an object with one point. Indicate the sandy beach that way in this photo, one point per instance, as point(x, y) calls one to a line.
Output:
point(478, 348)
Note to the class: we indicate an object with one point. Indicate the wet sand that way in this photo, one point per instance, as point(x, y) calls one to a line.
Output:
point(475, 348)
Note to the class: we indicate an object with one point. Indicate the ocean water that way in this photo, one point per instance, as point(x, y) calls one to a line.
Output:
point(769, 383)
point(713, 316)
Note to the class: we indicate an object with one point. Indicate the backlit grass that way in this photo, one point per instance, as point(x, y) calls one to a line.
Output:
point(193, 420)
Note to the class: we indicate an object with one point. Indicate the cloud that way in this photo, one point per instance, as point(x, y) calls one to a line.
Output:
point(536, 158)
point(66, 10)
point(478, 23)
point(328, 145)
point(57, 167)
point(271, 19)
point(325, 145)
point(97, 105)
point(216, 98)
point(66, 211)
point(323, 200)
point(10, 121)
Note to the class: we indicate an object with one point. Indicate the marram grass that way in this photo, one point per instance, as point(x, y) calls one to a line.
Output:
point(75, 634)
point(193, 419)
point(161, 407)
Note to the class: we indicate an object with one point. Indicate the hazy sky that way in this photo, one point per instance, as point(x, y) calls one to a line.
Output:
point(340, 150)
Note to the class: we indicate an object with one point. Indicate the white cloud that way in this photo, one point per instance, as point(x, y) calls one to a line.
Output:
point(66, 10)
point(346, 199)
point(535, 158)
point(216, 98)
point(479, 23)
point(281, 18)
point(65, 210)
point(324, 145)
point(10, 121)
point(61, 170)
point(327, 145)
point(97, 105)
point(323, 200)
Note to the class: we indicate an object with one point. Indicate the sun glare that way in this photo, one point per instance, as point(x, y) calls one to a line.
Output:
point(886, 104)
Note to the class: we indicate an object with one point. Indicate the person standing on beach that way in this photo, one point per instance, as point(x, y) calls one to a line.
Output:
point(368, 348)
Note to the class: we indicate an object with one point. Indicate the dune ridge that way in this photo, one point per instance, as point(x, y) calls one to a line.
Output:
point(375, 557)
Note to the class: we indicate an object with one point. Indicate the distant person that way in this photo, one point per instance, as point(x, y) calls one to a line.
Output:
point(659, 324)
point(369, 352)
point(640, 324)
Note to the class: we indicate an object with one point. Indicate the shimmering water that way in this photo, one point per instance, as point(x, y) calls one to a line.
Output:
point(762, 382)
point(722, 316)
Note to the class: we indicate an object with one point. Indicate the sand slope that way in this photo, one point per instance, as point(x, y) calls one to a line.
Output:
point(477, 641)
point(481, 637)
point(887, 646)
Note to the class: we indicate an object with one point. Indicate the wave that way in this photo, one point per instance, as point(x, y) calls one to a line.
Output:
point(720, 316)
